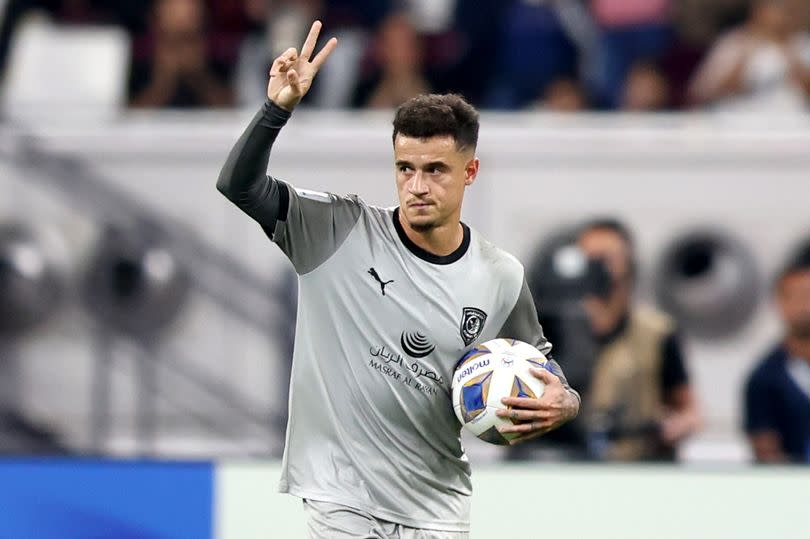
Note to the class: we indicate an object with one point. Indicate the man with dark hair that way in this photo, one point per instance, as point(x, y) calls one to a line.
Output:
point(372, 443)
point(426, 115)
point(639, 391)
point(777, 394)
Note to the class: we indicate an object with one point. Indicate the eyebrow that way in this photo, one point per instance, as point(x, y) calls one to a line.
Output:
point(433, 164)
point(438, 164)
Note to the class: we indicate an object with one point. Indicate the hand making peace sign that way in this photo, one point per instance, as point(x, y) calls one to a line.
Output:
point(291, 74)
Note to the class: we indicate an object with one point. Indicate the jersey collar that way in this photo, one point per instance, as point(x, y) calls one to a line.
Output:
point(427, 256)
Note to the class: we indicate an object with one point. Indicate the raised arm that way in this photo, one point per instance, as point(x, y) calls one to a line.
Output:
point(309, 227)
point(243, 178)
point(722, 73)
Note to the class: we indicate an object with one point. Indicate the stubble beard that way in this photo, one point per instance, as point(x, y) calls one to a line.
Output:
point(424, 227)
point(800, 330)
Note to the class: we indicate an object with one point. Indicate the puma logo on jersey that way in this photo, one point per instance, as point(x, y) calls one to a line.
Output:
point(373, 273)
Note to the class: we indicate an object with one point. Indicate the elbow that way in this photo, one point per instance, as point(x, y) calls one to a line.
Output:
point(224, 185)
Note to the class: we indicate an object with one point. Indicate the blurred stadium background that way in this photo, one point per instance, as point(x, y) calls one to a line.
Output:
point(146, 323)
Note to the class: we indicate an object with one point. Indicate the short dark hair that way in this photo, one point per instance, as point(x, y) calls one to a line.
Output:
point(612, 224)
point(620, 229)
point(433, 115)
point(798, 262)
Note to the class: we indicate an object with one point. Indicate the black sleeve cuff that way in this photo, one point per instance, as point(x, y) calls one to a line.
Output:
point(274, 116)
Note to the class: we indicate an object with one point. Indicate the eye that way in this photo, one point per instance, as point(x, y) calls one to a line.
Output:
point(404, 168)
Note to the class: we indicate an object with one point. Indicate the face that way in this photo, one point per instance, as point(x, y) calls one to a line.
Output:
point(178, 19)
point(564, 96)
point(793, 299)
point(610, 247)
point(431, 177)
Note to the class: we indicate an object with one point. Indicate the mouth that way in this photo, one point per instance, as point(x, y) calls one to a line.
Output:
point(419, 205)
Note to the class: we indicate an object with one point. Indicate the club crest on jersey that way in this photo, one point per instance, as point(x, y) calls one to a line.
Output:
point(472, 324)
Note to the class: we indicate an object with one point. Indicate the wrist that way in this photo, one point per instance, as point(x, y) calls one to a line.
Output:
point(572, 404)
point(275, 114)
point(286, 107)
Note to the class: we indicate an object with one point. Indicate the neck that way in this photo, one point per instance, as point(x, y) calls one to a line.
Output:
point(798, 347)
point(441, 240)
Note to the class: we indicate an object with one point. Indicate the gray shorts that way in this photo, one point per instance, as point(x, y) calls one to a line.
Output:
point(332, 521)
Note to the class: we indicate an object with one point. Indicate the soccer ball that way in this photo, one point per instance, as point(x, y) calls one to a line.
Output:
point(487, 373)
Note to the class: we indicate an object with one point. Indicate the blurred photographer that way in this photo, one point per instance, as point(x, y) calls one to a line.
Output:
point(640, 404)
point(626, 358)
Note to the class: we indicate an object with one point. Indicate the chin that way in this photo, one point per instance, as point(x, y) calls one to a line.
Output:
point(424, 226)
point(421, 223)
point(802, 331)
point(420, 220)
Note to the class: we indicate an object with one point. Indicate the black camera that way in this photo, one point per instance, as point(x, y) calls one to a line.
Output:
point(570, 277)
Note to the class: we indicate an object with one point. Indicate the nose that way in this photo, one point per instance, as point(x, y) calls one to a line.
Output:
point(417, 185)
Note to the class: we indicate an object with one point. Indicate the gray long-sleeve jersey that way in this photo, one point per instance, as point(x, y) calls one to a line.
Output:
point(381, 325)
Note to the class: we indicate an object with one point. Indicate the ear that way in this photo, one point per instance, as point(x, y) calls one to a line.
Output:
point(471, 171)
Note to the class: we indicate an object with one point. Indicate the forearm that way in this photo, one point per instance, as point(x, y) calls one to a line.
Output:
point(707, 89)
point(683, 418)
point(732, 85)
point(243, 179)
point(683, 423)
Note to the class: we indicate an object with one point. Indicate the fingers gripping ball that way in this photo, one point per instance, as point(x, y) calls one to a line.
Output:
point(489, 372)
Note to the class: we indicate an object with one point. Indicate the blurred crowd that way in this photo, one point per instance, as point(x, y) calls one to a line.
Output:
point(560, 55)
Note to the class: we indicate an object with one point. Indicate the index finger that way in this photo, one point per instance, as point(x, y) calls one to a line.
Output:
point(327, 49)
point(312, 38)
point(545, 375)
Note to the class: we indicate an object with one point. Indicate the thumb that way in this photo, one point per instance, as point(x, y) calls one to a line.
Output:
point(545, 376)
point(295, 82)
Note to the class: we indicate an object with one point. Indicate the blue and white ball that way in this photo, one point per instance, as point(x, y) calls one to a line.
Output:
point(489, 372)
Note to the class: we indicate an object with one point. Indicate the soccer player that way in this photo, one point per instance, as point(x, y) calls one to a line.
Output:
point(389, 300)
